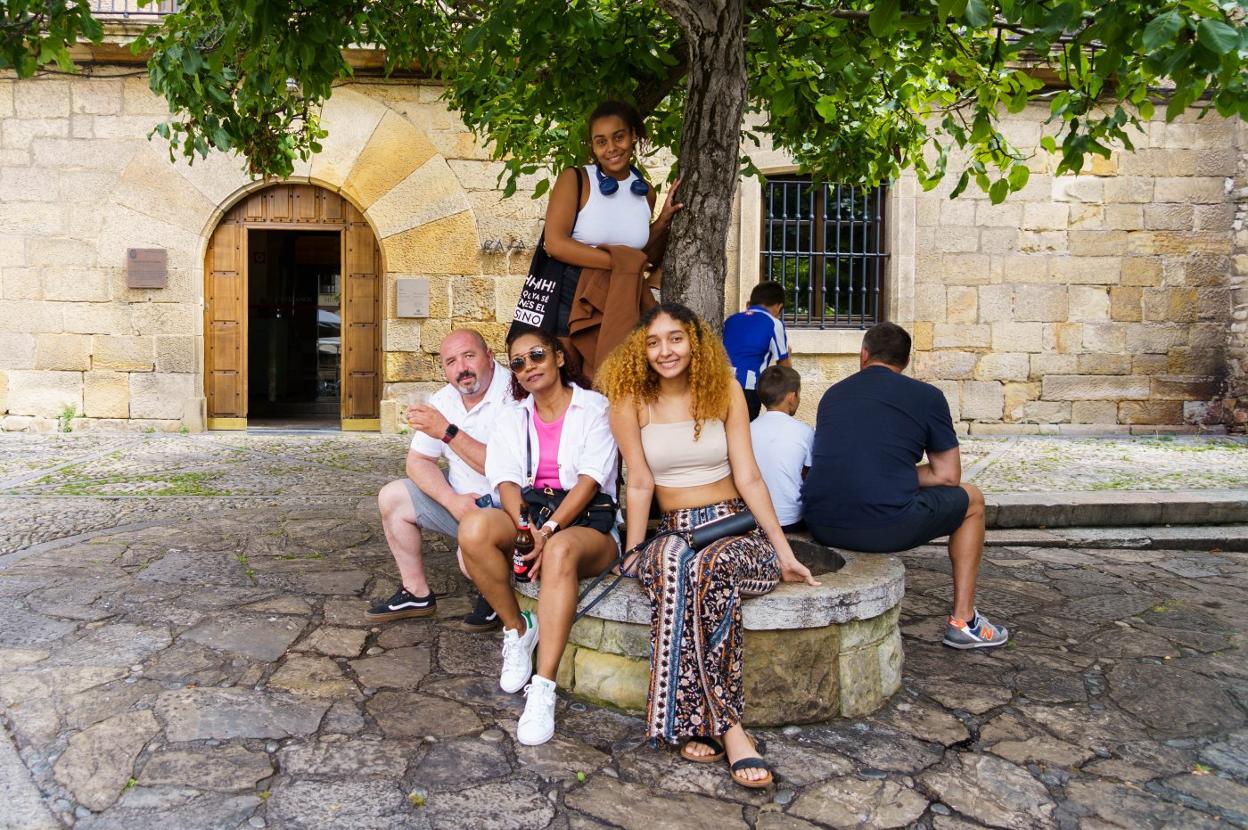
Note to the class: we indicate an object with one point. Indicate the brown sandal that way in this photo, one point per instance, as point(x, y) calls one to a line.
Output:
point(717, 750)
point(753, 762)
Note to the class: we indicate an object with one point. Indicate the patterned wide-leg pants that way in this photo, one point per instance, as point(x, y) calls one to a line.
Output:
point(695, 623)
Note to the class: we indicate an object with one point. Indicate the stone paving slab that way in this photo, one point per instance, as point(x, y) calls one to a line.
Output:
point(23, 803)
point(52, 486)
point(201, 661)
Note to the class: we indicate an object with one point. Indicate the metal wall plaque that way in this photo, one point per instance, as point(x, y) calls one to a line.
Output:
point(412, 297)
point(147, 268)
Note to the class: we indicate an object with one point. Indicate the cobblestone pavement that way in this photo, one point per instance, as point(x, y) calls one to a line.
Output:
point(1160, 462)
point(190, 652)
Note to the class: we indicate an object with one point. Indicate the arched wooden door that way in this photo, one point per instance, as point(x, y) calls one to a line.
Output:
point(292, 207)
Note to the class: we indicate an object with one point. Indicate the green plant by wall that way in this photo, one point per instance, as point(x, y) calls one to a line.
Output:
point(65, 421)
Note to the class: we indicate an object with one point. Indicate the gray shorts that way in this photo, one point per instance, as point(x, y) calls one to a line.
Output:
point(430, 515)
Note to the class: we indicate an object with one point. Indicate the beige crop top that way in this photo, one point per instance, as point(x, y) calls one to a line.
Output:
point(676, 460)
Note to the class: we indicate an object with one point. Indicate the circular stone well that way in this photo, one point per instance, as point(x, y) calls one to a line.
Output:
point(810, 653)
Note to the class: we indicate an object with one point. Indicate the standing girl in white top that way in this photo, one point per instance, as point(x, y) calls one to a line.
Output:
point(569, 445)
point(615, 206)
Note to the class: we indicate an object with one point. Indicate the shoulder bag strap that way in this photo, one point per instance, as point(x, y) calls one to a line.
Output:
point(580, 188)
point(623, 574)
point(528, 450)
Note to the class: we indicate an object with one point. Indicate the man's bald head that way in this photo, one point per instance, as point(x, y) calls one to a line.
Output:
point(472, 336)
point(467, 361)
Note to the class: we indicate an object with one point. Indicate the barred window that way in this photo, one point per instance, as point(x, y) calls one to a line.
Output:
point(825, 244)
point(132, 8)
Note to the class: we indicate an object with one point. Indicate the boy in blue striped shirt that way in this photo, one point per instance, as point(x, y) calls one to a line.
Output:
point(755, 339)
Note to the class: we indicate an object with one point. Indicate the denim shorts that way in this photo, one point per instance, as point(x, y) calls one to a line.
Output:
point(935, 512)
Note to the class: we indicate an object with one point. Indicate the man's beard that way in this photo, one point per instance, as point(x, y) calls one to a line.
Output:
point(468, 390)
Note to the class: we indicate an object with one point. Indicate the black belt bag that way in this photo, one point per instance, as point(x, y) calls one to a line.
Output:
point(599, 514)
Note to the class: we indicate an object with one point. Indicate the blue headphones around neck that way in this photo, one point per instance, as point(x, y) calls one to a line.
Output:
point(608, 185)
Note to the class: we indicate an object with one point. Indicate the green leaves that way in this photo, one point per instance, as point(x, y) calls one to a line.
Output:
point(1019, 175)
point(884, 17)
point(1162, 29)
point(998, 191)
point(1217, 36)
point(853, 92)
point(977, 13)
point(853, 104)
point(946, 9)
point(39, 33)
point(826, 106)
point(251, 77)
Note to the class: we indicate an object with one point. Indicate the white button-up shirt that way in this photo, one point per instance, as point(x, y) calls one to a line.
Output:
point(479, 423)
point(586, 445)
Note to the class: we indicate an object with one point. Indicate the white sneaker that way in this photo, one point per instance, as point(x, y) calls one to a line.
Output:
point(537, 724)
point(518, 655)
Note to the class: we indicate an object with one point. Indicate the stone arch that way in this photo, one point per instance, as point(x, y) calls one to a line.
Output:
point(404, 186)
point(374, 157)
point(390, 170)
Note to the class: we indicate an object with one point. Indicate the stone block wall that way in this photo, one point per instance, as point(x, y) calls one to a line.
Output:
point(1093, 303)
point(1233, 408)
point(1084, 302)
point(74, 340)
point(80, 183)
point(1097, 302)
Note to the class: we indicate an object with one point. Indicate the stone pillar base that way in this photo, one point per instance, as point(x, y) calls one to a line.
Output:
point(1235, 414)
point(195, 414)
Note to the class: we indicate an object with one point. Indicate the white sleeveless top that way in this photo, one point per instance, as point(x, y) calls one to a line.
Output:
point(623, 218)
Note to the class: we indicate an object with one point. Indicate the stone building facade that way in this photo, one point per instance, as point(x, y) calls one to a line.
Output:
point(1110, 301)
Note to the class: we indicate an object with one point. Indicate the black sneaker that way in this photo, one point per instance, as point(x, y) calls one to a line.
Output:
point(403, 605)
point(482, 618)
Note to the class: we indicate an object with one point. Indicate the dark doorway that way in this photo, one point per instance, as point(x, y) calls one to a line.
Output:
point(295, 329)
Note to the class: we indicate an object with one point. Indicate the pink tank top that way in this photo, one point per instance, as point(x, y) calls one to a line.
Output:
point(547, 473)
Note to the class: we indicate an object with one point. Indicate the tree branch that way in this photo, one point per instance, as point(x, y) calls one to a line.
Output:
point(651, 95)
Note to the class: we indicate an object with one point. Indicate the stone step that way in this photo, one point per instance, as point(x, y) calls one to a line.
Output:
point(1220, 537)
point(1117, 508)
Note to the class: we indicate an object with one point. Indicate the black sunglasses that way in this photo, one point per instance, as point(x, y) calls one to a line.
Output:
point(536, 355)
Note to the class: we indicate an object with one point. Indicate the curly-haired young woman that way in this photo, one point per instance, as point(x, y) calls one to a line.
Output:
point(682, 424)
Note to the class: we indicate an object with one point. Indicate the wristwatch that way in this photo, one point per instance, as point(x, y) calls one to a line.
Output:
point(451, 432)
point(549, 529)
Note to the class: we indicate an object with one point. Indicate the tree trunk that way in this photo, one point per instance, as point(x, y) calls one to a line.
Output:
point(696, 266)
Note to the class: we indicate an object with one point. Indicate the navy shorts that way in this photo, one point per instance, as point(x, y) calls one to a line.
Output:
point(936, 512)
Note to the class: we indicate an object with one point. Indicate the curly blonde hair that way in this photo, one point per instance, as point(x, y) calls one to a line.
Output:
point(626, 373)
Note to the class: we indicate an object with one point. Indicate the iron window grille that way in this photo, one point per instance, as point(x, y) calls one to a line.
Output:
point(130, 8)
point(825, 244)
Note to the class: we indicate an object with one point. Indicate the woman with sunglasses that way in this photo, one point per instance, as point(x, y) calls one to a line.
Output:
point(555, 440)
point(683, 426)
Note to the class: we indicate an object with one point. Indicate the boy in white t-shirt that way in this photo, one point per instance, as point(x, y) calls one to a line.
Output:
point(782, 444)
